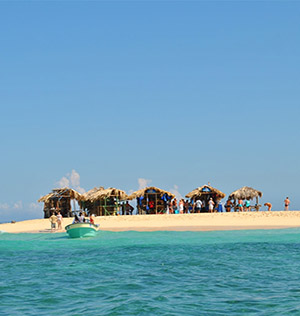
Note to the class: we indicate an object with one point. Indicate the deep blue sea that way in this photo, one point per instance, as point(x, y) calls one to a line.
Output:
point(253, 272)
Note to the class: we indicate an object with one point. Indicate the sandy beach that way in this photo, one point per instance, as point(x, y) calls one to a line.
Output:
point(182, 222)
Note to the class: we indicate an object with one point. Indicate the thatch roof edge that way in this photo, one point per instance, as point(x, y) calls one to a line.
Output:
point(101, 193)
point(56, 193)
point(142, 192)
point(245, 193)
point(87, 195)
point(199, 192)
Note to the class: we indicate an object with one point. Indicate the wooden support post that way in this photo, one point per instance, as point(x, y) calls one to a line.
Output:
point(105, 205)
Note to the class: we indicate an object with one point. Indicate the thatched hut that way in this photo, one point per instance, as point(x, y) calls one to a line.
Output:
point(86, 202)
point(87, 196)
point(101, 202)
point(246, 193)
point(204, 193)
point(152, 200)
point(59, 200)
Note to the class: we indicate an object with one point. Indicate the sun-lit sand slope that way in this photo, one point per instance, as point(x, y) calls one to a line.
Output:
point(192, 222)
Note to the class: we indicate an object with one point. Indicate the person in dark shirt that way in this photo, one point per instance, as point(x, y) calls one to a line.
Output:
point(128, 209)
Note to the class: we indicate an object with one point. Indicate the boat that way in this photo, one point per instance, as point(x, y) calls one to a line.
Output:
point(80, 230)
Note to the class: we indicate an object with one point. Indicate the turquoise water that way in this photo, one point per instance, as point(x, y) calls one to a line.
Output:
point(151, 273)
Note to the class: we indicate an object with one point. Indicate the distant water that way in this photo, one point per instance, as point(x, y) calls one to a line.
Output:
point(253, 272)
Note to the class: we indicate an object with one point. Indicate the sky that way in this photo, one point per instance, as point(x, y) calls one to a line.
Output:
point(126, 94)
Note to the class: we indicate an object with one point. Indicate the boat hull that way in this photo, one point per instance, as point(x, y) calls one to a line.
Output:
point(81, 230)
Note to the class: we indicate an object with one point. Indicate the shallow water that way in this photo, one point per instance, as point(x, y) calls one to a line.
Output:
point(253, 272)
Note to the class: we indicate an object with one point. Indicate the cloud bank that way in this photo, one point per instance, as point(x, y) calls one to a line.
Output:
point(71, 180)
point(17, 211)
point(143, 183)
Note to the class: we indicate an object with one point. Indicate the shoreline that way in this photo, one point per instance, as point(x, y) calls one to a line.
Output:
point(196, 228)
point(173, 222)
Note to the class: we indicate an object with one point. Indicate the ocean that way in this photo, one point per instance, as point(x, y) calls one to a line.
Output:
point(254, 272)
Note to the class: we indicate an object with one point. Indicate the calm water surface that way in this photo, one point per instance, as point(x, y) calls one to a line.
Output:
point(151, 273)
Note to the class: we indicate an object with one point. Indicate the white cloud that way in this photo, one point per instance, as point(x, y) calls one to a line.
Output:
point(16, 211)
point(71, 180)
point(18, 205)
point(176, 192)
point(143, 183)
point(34, 206)
point(74, 178)
point(4, 206)
point(15, 206)
point(63, 182)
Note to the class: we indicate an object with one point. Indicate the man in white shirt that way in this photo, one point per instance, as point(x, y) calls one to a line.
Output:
point(198, 206)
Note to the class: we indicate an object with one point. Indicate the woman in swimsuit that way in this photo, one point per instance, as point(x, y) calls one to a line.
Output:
point(175, 207)
point(228, 206)
point(211, 205)
point(181, 206)
point(247, 205)
point(240, 205)
point(59, 220)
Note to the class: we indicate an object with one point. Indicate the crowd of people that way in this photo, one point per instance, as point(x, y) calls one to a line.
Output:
point(198, 206)
point(173, 207)
point(245, 205)
point(186, 206)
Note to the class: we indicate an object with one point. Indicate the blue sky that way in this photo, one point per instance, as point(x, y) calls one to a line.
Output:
point(176, 93)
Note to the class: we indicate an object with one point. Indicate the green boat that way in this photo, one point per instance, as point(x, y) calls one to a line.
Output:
point(80, 230)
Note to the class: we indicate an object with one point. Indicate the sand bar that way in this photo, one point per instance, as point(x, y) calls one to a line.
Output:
point(181, 222)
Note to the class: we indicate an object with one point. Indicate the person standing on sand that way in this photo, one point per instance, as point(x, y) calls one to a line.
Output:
point(286, 204)
point(129, 209)
point(123, 209)
point(171, 209)
point(175, 207)
point(240, 206)
point(186, 206)
point(211, 205)
point(198, 206)
point(228, 205)
point(269, 206)
point(203, 205)
point(53, 220)
point(59, 220)
point(191, 207)
point(181, 206)
point(247, 205)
